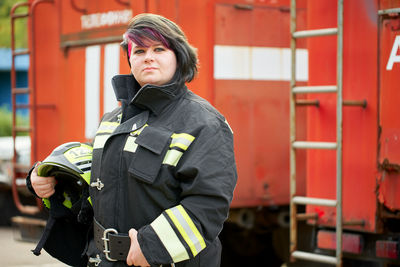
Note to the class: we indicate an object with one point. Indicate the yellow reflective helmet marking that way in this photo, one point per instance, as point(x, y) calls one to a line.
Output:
point(79, 154)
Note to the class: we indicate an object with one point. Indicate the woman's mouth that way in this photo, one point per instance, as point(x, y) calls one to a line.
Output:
point(149, 69)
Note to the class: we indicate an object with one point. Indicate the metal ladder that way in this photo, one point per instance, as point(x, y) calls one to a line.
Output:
point(19, 170)
point(295, 144)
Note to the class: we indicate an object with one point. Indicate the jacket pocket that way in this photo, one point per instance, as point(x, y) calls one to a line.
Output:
point(152, 146)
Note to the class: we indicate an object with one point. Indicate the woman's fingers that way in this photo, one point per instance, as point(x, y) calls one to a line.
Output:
point(43, 186)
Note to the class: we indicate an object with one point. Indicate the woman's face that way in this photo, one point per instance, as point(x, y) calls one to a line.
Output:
point(154, 64)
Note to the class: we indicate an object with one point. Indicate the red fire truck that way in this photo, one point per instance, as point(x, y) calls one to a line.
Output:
point(310, 89)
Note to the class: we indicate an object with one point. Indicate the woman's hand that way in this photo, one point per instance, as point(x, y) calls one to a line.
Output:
point(43, 186)
point(135, 255)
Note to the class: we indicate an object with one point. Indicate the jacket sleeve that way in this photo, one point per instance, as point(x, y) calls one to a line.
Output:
point(207, 175)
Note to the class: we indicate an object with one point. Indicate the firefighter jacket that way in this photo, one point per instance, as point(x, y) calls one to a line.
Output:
point(163, 163)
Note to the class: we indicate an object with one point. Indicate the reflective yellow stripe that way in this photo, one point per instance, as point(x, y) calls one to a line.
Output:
point(67, 201)
point(46, 202)
point(192, 226)
point(86, 176)
point(187, 229)
point(79, 154)
point(172, 157)
point(181, 140)
point(138, 131)
point(169, 239)
point(78, 159)
point(183, 135)
point(100, 140)
point(107, 127)
point(130, 144)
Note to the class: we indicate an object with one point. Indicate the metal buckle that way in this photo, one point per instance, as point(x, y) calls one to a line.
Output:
point(105, 239)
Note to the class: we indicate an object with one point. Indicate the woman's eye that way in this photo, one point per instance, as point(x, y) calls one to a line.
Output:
point(138, 51)
point(159, 49)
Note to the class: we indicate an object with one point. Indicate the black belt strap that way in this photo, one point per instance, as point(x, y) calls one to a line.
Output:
point(117, 245)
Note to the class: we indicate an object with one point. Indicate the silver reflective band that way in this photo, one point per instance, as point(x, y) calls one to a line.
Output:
point(187, 229)
point(96, 260)
point(181, 142)
point(97, 184)
point(105, 239)
point(169, 239)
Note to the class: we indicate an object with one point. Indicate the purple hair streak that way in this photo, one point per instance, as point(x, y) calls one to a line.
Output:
point(140, 36)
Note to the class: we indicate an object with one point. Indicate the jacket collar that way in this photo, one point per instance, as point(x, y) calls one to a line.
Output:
point(152, 97)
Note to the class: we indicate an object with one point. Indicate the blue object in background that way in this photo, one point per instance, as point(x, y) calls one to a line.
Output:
point(21, 67)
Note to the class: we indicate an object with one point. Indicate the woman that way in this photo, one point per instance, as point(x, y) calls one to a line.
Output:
point(163, 168)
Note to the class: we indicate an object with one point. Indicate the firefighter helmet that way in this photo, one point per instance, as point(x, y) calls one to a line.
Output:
point(70, 207)
point(70, 164)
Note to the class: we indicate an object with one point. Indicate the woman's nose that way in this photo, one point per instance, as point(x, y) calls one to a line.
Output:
point(149, 55)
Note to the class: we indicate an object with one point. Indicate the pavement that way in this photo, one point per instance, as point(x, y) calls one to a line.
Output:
point(15, 253)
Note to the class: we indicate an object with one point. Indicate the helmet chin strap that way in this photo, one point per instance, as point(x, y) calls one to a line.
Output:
point(58, 211)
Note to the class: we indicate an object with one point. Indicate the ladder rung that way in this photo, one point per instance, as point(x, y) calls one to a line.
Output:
point(307, 102)
point(389, 11)
point(306, 216)
point(22, 106)
point(314, 201)
point(22, 168)
point(20, 91)
point(15, 16)
point(28, 221)
point(314, 89)
point(20, 182)
point(314, 145)
point(21, 52)
point(31, 210)
point(22, 129)
point(314, 257)
point(315, 33)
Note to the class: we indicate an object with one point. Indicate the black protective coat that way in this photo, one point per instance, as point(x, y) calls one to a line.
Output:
point(138, 187)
